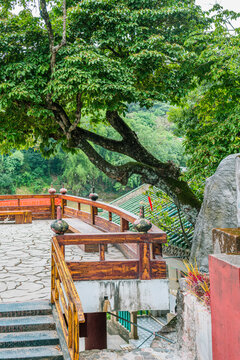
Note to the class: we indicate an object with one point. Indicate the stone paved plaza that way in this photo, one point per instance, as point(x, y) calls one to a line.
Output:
point(25, 260)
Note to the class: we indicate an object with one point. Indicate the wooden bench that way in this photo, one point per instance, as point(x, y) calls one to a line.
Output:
point(21, 216)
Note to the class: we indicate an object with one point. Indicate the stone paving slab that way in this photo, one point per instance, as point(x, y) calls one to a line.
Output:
point(25, 260)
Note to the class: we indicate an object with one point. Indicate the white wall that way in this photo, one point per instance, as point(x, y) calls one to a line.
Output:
point(197, 330)
point(131, 295)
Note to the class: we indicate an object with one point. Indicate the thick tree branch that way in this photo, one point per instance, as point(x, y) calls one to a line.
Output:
point(59, 121)
point(163, 175)
point(61, 114)
point(119, 125)
point(133, 147)
point(114, 172)
point(106, 143)
point(78, 113)
point(167, 180)
point(64, 30)
point(129, 145)
point(114, 52)
point(46, 18)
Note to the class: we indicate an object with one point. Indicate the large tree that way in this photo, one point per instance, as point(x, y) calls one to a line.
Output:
point(83, 62)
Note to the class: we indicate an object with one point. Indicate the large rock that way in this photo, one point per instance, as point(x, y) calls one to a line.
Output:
point(220, 208)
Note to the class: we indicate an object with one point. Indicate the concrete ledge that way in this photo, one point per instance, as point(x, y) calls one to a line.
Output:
point(124, 295)
point(115, 328)
point(194, 332)
point(226, 241)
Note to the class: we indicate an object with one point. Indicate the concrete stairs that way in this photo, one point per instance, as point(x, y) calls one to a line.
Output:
point(28, 331)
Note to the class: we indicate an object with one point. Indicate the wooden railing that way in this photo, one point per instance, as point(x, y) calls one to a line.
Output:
point(92, 217)
point(63, 291)
point(144, 252)
point(42, 206)
point(145, 267)
point(66, 299)
point(45, 205)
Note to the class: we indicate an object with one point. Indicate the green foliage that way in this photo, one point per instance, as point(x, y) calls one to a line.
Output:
point(24, 168)
point(169, 217)
point(6, 184)
point(117, 53)
point(208, 139)
point(156, 133)
point(208, 117)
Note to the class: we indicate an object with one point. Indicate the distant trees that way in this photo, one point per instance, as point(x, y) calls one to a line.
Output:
point(23, 169)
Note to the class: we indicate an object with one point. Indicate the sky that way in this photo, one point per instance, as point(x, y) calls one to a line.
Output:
point(207, 4)
point(226, 4)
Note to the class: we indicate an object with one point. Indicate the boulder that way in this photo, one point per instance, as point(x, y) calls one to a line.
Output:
point(220, 208)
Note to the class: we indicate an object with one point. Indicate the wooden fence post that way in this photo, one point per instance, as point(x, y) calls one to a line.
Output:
point(62, 247)
point(63, 204)
point(75, 334)
point(70, 327)
point(102, 252)
point(94, 212)
point(52, 200)
point(144, 262)
point(134, 331)
point(124, 225)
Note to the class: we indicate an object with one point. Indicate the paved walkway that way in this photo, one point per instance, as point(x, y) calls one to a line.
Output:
point(25, 260)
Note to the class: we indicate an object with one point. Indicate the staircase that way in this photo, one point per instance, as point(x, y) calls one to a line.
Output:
point(28, 331)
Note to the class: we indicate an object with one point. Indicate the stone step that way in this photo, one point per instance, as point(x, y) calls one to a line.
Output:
point(27, 323)
point(28, 339)
point(25, 309)
point(32, 353)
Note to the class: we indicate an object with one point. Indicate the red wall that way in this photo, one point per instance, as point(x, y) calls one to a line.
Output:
point(225, 307)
